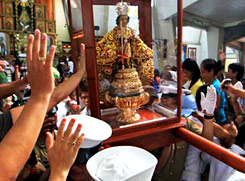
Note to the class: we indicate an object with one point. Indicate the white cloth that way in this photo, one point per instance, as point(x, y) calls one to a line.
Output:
point(62, 110)
point(241, 101)
point(85, 111)
point(174, 75)
point(120, 166)
point(220, 171)
point(71, 66)
point(187, 84)
point(194, 166)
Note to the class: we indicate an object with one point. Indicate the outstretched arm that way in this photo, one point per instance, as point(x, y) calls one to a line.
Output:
point(12, 88)
point(62, 90)
point(230, 89)
point(65, 88)
point(18, 143)
point(226, 138)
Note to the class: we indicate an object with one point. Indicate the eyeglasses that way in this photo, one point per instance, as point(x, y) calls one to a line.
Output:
point(85, 97)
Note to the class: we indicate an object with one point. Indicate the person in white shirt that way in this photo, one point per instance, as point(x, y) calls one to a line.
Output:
point(71, 66)
point(235, 73)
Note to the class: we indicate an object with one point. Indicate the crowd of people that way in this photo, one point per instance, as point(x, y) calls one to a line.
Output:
point(217, 113)
point(30, 128)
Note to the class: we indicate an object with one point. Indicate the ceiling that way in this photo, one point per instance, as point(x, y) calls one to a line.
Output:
point(215, 12)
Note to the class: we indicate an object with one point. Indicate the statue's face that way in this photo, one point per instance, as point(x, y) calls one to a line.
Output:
point(123, 20)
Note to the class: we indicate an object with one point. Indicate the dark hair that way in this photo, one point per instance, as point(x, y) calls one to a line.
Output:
point(210, 64)
point(152, 92)
point(203, 89)
point(156, 73)
point(191, 65)
point(237, 67)
point(171, 95)
point(83, 86)
point(118, 19)
point(174, 68)
point(220, 65)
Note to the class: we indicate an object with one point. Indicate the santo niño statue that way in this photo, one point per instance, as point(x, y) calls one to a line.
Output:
point(124, 60)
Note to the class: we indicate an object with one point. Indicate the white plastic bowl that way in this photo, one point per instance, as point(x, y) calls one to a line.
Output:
point(148, 162)
point(95, 130)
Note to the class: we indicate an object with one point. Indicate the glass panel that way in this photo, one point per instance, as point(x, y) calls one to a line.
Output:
point(214, 40)
point(232, 56)
point(165, 37)
point(3, 44)
point(130, 93)
point(76, 14)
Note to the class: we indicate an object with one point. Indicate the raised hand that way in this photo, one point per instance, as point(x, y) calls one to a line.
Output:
point(32, 116)
point(39, 65)
point(232, 129)
point(222, 55)
point(82, 61)
point(228, 88)
point(208, 102)
point(62, 153)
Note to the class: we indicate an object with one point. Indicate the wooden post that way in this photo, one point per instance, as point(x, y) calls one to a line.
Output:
point(91, 63)
point(73, 48)
point(179, 56)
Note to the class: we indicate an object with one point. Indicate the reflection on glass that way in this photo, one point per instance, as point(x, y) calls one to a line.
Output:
point(120, 52)
point(3, 44)
point(210, 49)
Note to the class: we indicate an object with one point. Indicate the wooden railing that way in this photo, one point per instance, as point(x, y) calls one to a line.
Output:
point(215, 150)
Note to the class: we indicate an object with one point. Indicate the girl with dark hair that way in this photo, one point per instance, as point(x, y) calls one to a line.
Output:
point(192, 72)
point(235, 73)
point(209, 71)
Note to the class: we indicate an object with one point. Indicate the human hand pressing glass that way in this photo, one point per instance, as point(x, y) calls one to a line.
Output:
point(63, 151)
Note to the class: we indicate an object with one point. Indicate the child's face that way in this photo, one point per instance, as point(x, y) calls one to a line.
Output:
point(187, 74)
point(169, 102)
point(124, 20)
point(230, 74)
point(85, 98)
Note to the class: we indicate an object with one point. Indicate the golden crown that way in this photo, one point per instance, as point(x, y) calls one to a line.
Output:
point(122, 8)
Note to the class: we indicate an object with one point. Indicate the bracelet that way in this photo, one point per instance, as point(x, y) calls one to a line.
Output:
point(208, 117)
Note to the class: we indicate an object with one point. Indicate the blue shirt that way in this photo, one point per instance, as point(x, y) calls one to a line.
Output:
point(220, 115)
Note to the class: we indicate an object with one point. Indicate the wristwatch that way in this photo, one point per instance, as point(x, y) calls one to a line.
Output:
point(208, 117)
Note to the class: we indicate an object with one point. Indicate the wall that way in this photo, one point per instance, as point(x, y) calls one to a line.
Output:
point(196, 38)
point(61, 29)
point(213, 42)
point(207, 43)
point(101, 16)
point(204, 47)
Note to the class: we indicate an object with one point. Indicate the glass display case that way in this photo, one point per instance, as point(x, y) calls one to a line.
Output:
point(156, 27)
point(133, 70)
